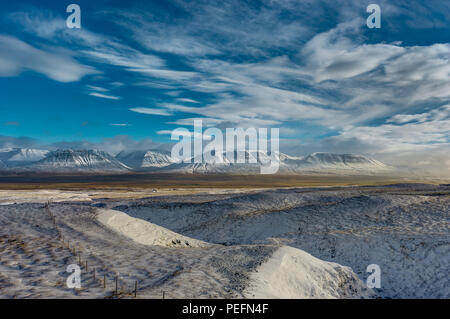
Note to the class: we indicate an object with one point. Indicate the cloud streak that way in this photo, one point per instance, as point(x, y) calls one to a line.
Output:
point(104, 96)
point(150, 111)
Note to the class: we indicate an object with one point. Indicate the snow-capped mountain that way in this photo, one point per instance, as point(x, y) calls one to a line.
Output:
point(314, 163)
point(341, 161)
point(145, 159)
point(78, 161)
point(220, 163)
point(328, 162)
point(12, 157)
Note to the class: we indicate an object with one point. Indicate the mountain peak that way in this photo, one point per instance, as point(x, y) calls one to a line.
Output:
point(145, 159)
point(21, 156)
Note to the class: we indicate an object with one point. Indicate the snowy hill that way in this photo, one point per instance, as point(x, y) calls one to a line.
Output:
point(145, 159)
point(78, 161)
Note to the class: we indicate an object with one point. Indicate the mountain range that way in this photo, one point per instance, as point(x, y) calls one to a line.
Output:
point(95, 161)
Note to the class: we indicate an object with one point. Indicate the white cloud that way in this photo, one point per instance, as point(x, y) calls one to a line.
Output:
point(424, 71)
point(417, 133)
point(333, 56)
point(213, 30)
point(151, 111)
point(166, 74)
point(104, 96)
point(437, 114)
point(100, 48)
point(17, 56)
point(174, 43)
point(97, 88)
point(129, 59)
point(120, 124)
point(186, 100)
point(47, 25)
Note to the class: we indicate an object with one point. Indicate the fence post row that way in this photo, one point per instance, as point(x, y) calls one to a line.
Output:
point(74, 252)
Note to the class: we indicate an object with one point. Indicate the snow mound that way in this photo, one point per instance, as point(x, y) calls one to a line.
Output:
point(292, 273)
point(144, 232)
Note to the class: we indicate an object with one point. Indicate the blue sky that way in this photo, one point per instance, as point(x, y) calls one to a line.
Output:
point(138, 69)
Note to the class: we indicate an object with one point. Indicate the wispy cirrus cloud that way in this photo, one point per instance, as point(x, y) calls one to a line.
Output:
point(185, 100)
point(104, 96)
point(210, 30)
point(150, 111)
point(97, 88)
point(129, 59)
point(50, 26)
point(97, 47)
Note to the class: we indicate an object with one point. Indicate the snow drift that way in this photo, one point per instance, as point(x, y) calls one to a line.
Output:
point(293, 273)
point(144, 232)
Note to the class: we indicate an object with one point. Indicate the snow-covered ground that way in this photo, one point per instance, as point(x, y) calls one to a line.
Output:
point(288, 243)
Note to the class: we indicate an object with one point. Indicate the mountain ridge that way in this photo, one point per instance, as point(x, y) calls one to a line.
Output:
point(96, 161)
